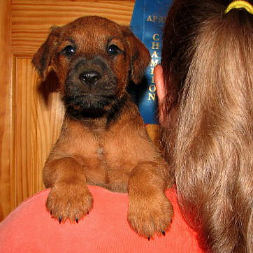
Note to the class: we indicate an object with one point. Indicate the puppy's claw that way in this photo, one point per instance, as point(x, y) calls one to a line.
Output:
point(163, 233)
point(149, 238)
point(60, 220)
point(77, 220)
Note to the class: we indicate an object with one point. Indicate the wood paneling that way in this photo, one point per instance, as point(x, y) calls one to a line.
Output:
point(31, 112)
point(37, 119)
point(5, 108)
point(31, 20)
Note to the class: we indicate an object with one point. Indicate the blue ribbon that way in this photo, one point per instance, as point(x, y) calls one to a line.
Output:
point(147, 24)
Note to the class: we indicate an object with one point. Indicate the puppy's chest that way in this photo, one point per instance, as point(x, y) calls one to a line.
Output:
point(108, 149)
point(107, 163)
point(104, 152)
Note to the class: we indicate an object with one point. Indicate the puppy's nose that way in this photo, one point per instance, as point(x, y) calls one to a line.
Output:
point(89, 77)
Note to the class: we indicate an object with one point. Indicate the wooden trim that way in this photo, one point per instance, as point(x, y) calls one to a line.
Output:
point(5, 108)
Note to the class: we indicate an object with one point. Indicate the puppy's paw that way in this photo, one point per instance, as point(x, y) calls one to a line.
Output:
point(150, 215)
point(69, 201)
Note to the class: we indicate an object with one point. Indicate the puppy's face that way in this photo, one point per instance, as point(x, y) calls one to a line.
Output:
point(94, 59)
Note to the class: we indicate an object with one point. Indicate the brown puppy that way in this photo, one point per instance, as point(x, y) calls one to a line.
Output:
point(103, 140)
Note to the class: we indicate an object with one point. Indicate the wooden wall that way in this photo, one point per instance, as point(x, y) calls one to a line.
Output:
point(31, 113)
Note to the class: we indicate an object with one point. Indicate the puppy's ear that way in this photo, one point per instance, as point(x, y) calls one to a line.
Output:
point(140, 56)
point(42, 59)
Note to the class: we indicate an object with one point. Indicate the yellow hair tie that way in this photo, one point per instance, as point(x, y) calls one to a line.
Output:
point(240, 5)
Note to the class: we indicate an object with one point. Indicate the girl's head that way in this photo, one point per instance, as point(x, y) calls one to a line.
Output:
point(205, 92)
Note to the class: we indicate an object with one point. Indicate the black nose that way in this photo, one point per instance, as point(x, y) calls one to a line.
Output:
point(89, 77)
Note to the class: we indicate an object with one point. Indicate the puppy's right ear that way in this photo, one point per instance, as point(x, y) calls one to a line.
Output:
point(42, 59)
point(140, 56)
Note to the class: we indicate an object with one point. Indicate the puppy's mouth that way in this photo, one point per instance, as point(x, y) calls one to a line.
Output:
point(89, 100)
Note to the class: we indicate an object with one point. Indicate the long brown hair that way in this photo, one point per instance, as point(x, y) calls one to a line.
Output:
point(207, 135)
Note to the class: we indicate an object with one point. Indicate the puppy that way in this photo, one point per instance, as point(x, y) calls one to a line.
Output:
point(103, 139)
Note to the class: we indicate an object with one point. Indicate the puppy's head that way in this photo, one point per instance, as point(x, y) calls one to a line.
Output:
point(94, 59)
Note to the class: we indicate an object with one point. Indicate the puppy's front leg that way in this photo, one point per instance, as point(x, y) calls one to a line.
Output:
point(69, 197)
point(149, 211)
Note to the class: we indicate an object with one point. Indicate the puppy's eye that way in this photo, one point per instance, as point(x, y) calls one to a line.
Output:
point(113, 50)
point(68, 50)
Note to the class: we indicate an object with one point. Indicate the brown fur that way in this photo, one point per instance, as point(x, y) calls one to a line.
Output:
point(103, 140)
point(208, 132)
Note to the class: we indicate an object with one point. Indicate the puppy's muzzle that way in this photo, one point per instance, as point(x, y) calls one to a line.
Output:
point(89, 77)
point(91, 85)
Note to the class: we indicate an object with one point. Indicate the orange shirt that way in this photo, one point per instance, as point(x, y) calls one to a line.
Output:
point(30, 228)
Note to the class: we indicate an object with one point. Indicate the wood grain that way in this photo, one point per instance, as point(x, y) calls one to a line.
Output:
point(31, 20)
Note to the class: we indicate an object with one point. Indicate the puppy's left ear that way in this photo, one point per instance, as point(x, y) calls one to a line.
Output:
point(140, 56)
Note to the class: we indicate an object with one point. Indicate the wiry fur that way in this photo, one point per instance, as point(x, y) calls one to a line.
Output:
point(208, 132)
